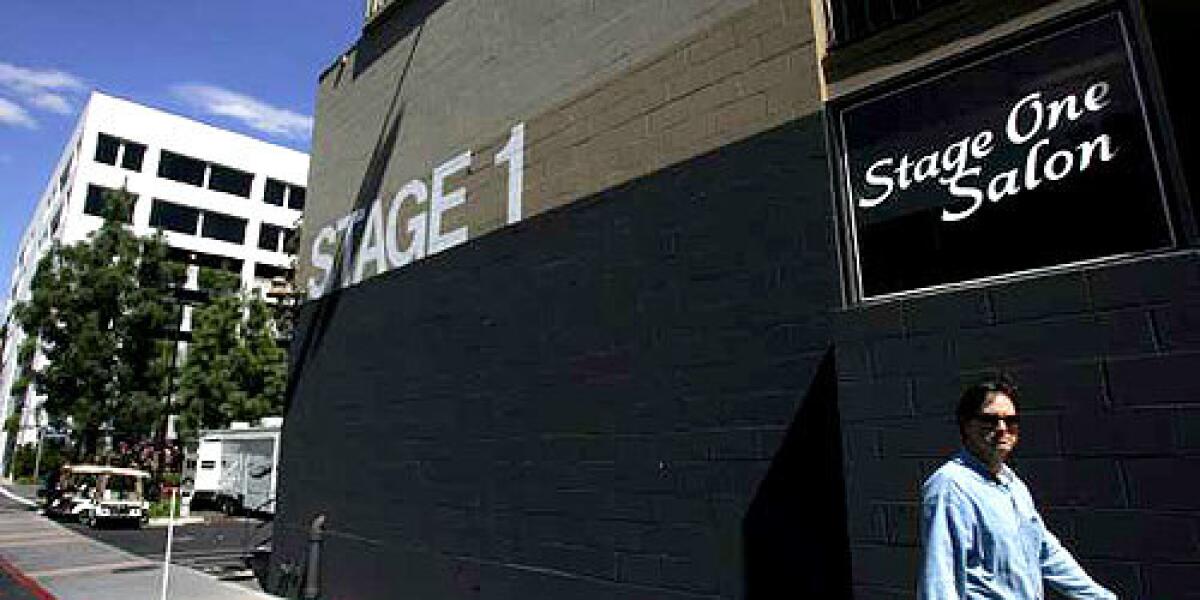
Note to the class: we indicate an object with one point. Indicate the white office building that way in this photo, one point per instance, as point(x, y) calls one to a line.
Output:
point(222, 199)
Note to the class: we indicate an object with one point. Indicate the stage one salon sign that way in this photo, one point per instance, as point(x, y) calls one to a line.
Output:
point(1034, 155)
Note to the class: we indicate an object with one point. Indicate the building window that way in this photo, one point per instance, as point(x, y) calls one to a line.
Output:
point(107, 148)
point(375, 7)
point(112, 150)
point(97, 199)
point(284, 194)
point(853, 20)
point(223, 227)
point(275, 192)
point(230, 181)
point(183, 169)
point(132, 159)
point(270, 237)
point(214, 176)
point(269, 272)
point(173, 217)
point(291, 240)
point(65, 175)
point(94, 204)
point(55, 220)
point(208, 261)
point(296, 197)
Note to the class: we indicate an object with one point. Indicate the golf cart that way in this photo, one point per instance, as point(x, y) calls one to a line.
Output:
point(96, 494)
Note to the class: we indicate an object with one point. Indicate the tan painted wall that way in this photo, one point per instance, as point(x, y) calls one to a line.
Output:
point(608, 91)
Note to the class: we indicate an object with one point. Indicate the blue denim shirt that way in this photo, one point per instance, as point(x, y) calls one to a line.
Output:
point(984, 539)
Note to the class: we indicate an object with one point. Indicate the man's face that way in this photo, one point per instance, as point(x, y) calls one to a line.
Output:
point(992, 434)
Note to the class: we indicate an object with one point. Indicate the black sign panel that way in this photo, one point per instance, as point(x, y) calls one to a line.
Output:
point(1033, 157)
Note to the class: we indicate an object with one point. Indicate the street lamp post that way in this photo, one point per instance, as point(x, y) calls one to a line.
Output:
point(37, 456)
point(171, 366)
point(178, 303)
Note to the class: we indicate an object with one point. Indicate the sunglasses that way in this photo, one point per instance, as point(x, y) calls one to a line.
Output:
point(993, 421)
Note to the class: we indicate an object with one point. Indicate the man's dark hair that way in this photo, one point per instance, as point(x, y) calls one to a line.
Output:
point(973, 399)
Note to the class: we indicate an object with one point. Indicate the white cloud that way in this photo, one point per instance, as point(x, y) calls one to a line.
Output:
point(51, 102)
point(46, 90)
point(33, 81)
point(11, 113)
point(252, 112)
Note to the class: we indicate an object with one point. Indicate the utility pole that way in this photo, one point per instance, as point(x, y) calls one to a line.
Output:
point(37, 457)
point(160, 467)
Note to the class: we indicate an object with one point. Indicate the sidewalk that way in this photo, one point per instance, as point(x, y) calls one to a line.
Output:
point(70, 566)
point(14, 585)
point(25, 492)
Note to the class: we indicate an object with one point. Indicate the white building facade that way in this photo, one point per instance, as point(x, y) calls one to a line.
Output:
point(221, 199)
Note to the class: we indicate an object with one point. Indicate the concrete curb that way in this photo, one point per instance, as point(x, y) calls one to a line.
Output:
point(28, 583)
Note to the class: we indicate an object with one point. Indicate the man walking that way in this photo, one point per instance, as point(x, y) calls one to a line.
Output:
point(982, 534)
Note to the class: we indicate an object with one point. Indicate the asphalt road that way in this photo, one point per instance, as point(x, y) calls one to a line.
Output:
point(217, 547)
point(40, 560)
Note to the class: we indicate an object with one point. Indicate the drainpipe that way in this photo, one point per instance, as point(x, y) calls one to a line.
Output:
point(312, 570)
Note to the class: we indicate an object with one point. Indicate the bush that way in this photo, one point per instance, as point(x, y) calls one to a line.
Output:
point(25, 458)
point(162, 508)
point(13, 423)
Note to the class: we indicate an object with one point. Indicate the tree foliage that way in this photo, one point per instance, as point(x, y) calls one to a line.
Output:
point(99, 310)
point(235, 369)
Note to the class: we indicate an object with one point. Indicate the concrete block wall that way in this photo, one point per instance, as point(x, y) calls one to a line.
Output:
point(1105, 361)
point(585, 405)
point(652, 387)
point(608, 91)
point(1104, 357)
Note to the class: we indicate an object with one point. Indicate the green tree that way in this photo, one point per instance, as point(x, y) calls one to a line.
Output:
point(147, 330)
point(263, 362)
point(235, 369)
point(98, 310)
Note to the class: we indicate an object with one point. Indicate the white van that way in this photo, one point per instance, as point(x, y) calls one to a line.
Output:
point(235, 469)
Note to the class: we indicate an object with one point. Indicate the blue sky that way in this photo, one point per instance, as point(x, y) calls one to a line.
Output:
point(250, 66)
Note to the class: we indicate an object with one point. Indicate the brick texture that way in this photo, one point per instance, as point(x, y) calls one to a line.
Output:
point(545, 409)
point(601, 401)
point(629, 88)
point(1108, 444)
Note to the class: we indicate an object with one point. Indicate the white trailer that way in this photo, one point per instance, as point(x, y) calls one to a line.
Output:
point(235, 469)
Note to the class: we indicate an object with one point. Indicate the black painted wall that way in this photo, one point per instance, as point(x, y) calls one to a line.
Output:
point(1106, 360)
point(623, 399)
point(600, 402)
point(1170, 32)
point(658, 393)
